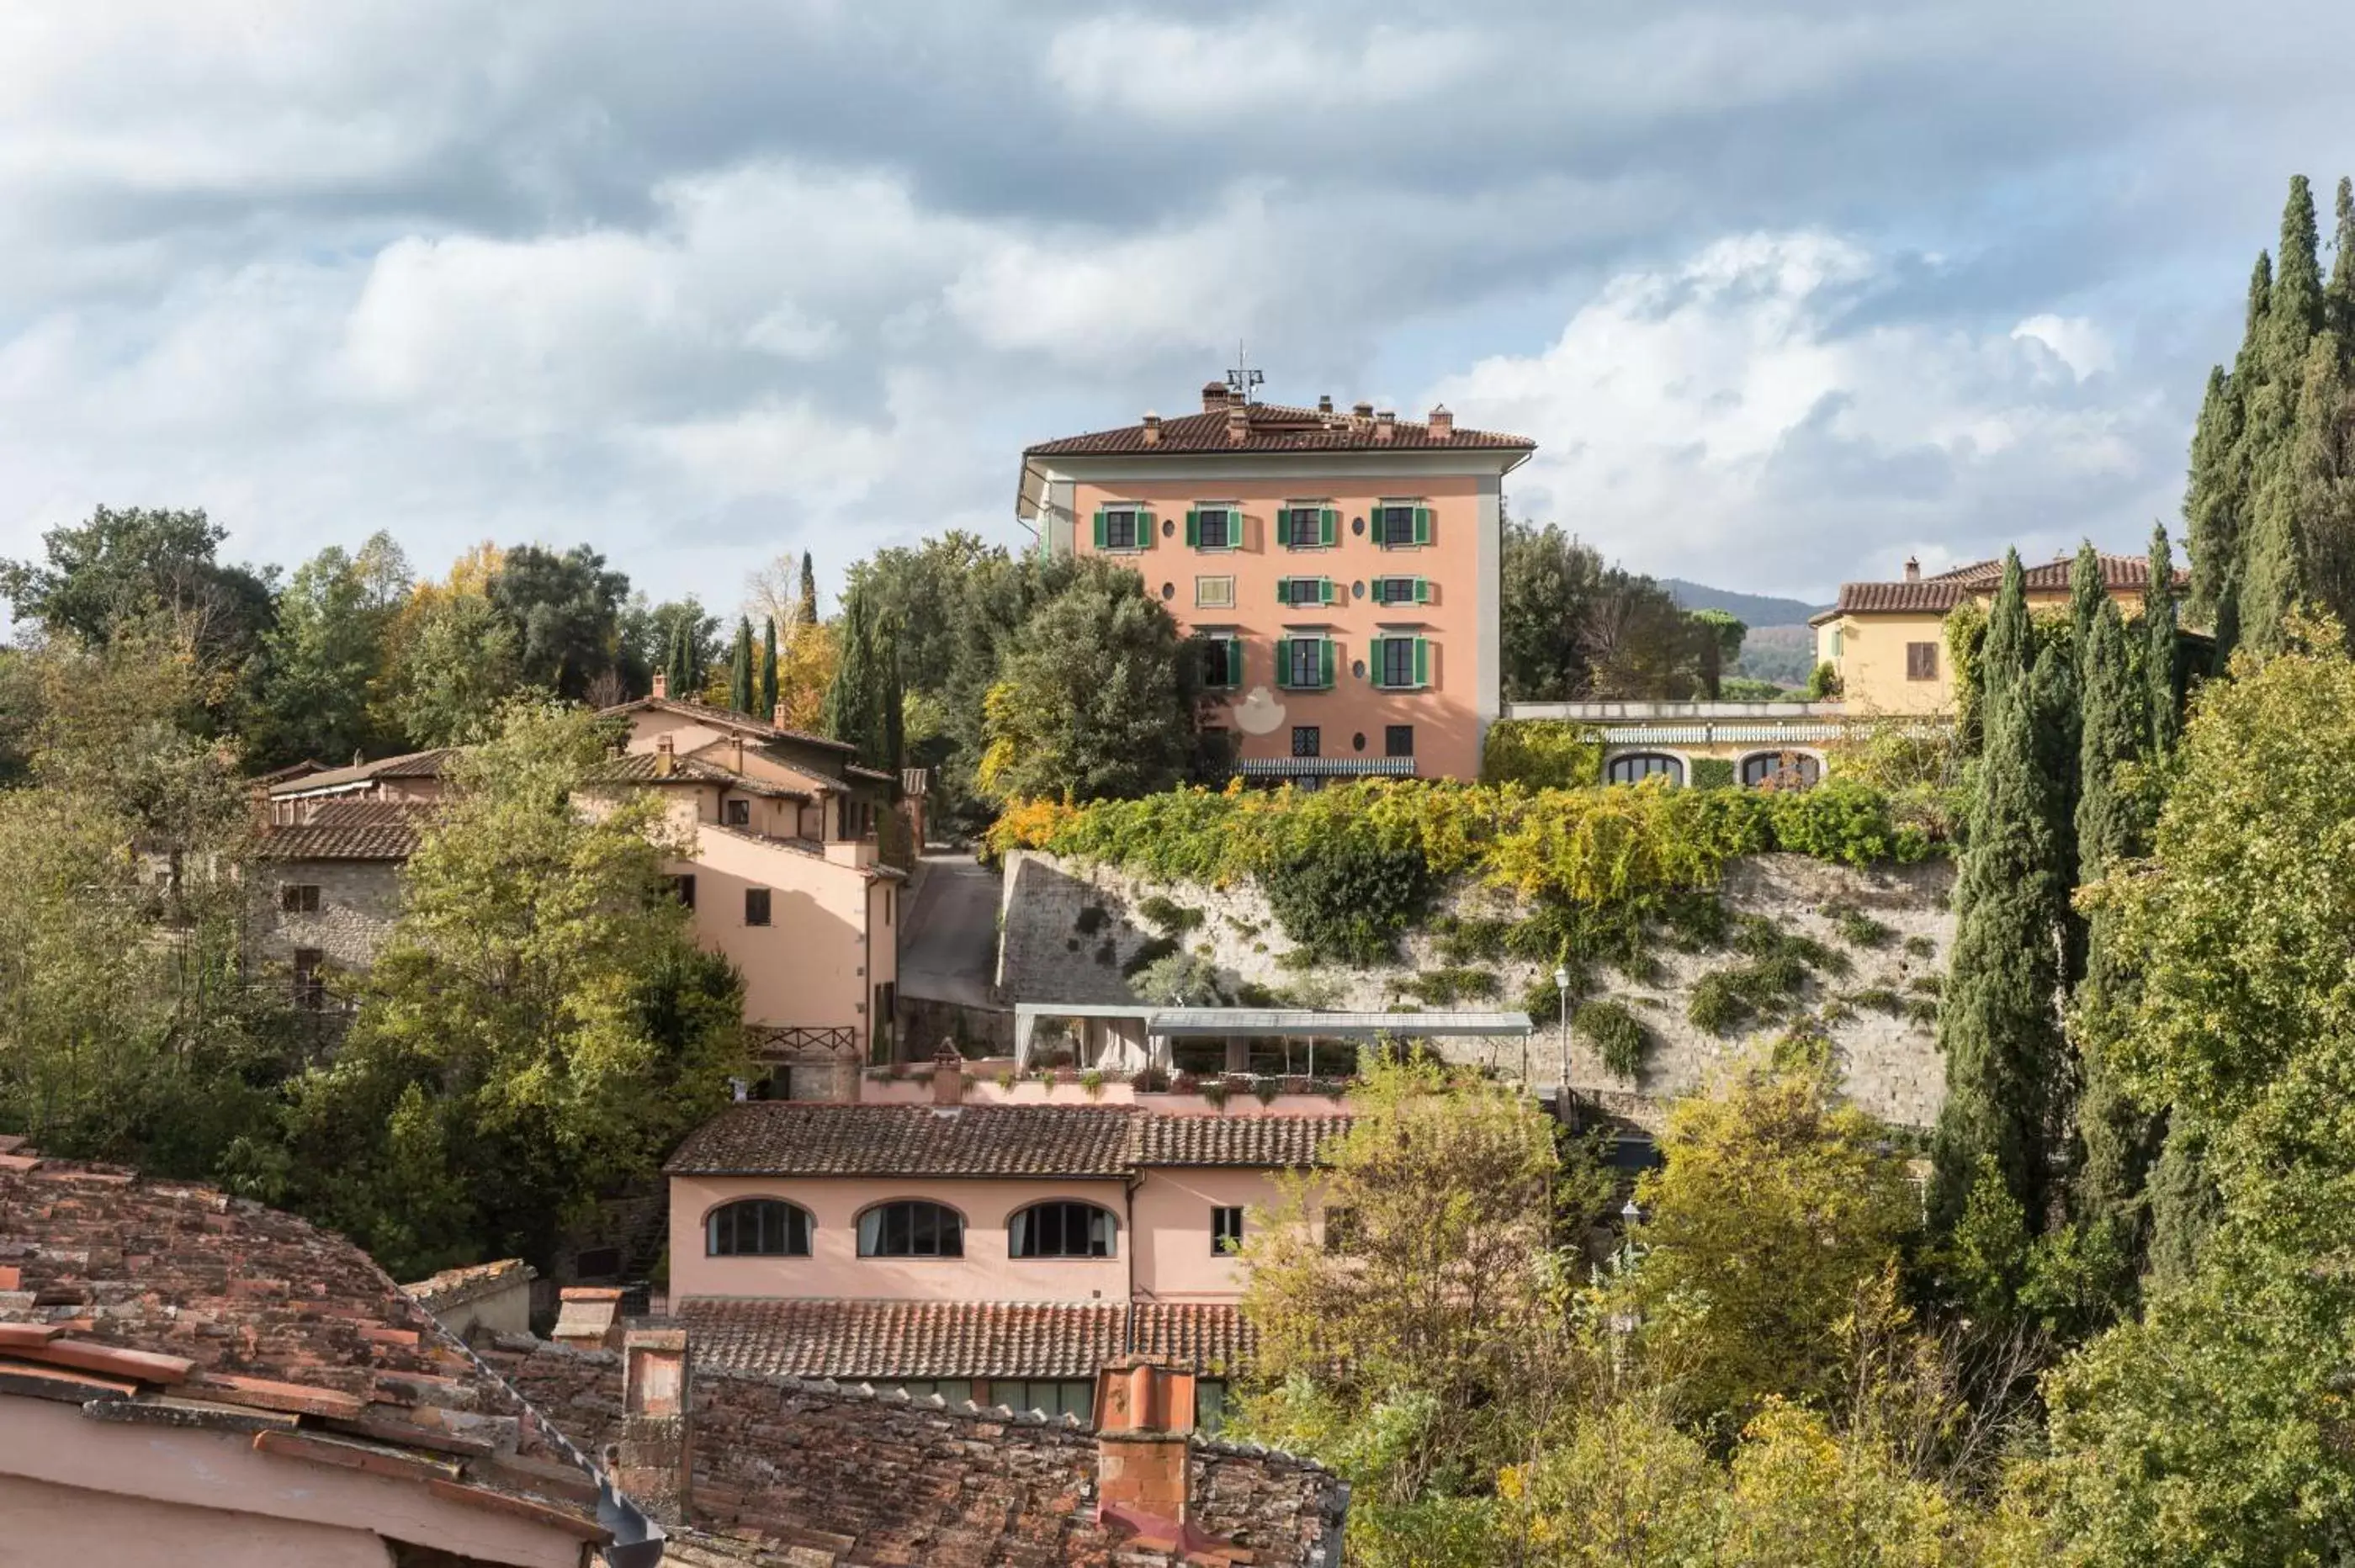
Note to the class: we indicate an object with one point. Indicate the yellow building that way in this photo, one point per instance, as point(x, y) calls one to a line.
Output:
point(1887, 641)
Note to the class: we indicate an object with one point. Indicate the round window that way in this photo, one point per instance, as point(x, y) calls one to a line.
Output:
point(1168, 528)
point(1357, 525)
point(1169, 590)
point(1357, 742)
point(1356, 590)
point(1358, 666)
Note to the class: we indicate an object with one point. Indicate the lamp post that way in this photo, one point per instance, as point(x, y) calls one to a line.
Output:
point(1562, 990)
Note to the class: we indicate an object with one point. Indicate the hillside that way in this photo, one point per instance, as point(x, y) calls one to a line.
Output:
point(1780, 647)
point(1753, 610)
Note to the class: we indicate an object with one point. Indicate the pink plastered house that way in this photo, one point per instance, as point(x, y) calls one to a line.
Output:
point(1341, 569)
point(974, 1247)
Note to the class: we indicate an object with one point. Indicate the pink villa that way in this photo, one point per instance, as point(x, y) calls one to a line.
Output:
point(1000, 1245)
point(1339, 569)
point(785, 874)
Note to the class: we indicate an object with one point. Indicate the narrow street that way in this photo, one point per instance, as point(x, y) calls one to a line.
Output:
point(949, 951)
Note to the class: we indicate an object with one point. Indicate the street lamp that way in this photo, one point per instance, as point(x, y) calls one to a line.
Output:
point(1562, 990)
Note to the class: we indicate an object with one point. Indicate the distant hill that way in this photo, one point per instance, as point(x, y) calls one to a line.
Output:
point(1752, 609)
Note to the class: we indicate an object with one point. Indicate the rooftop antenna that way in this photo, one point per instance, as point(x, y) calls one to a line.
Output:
point(1242, 379)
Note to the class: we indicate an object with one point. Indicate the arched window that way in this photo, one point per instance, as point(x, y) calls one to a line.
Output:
point(1636, 766)
point(911, 1230)
point(1061, 1230)
point(757, 1227)
point(1781, 770)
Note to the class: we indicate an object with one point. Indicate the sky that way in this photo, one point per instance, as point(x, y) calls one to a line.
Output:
point(1784, 292)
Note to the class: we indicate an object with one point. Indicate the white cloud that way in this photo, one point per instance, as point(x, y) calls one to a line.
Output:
point(1132, 66)
point(2075, 340)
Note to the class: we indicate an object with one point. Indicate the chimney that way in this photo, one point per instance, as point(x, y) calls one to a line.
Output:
point(1238, 423)
point(1145, 1428)
point(1912, 568)
point(656, 1465)
point(1443, 424)
point(1362, 412)
point(1324, 403)
point(665, 758)
point(1214, 396)
point(777, 716)
point(589, 1317)
point(1385, 424)
point(948, 1075)
point(662, 685)
point(1152, 428)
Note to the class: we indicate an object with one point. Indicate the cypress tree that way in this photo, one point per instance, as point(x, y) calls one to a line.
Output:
point(2087, 594)
point(806, 612)
point(863, 707)
point(1996, 1027)
point(2210, 506)
point(2184, 1202)
point(2161, 656)
point(767, 696)
point(2274, 560)
point(739, 669)
point(681, 674)
point(2052, 695)
point(2338, 298)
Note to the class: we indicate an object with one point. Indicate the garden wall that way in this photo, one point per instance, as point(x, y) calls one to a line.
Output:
point(1067, 930)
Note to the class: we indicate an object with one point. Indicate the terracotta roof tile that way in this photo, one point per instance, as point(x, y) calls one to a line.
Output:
point(1212, 1337)
point(408, 766)
point(321, 841)
point(1273, 427)
point(1939, 594)
point(646, 768)
point(727, 717)
point(800, 1138)
point(860, 1341)
point(1275, 1142)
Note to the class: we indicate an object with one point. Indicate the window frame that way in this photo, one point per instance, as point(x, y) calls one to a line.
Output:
point(766, 906)
point(1418, 522)
point(736, 811)
point(1230, 515)
point(1391, 744)
point(1022, 1230)
point(808, 1226)
point(1806, 768)
point(1226, 603)
point(880, 1209)
point(1224, 1229)
point(1289, 659)
point(1922, 661)
point(298, 898)
point(1674, 769)
point(682, 888)
point(1323, 530)
point(1312, 736)
point(1231, 655)
point(1139, 518)
point(310, 981)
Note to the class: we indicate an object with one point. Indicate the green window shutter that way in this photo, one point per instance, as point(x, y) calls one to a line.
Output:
point(1283, 590)
point(1423, 525)
point(1323, 590)
point(1234, 664)
point(1283, 662)
point(1329, 526)
point(1145, 525)
point(1374, 659)
point(1100, 528)
point(1422, 661)
point(1193, 527)
point(1423, 591)
point(1325, 671)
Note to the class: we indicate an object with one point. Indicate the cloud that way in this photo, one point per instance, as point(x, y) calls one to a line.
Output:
point(1154, 68)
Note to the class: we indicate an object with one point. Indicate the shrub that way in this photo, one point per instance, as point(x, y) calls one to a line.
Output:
point(1090, 920)
point(1150, 1079)
point(1542, 754)
point(1823, 683)
point(1617, 1036)
point(1471, 939)
point(1149, 952)
point(1214, 1090)
point(1349, 898)
point(1880, 999)
point(1168, 916)
point(1856, 928)
point(1712, 773)
point(1921, 947)
point(1445, 987)
point(1092, 1081)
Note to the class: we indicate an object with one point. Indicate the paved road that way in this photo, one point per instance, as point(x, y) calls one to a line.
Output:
point(949, 951)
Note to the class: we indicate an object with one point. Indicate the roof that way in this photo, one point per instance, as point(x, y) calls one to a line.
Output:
point(646, 768)
point(456, 1287)
point(408, 766)
point(379, 841)
point(879, 1341)
point(1273, 427)
point(858, 1341)
point(776, 1137)
point(165, 1302)
point(1274, 1142)
point(1300, 1022)
point(1939, 594)
point(727, 717)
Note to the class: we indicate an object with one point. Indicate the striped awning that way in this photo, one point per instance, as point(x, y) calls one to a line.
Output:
point(1326, 767)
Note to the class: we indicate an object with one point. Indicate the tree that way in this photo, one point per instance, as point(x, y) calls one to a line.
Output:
point(1775, 1204)
point(540, 1026)
point(314, 685)
point(454, 661)
point(1094, 699)
point(650, 634)
point(122, 566)
point(565, 612)
point(2211, 500)
point(805, 673)
point(863, 704)
point(740, 687)
point(766, 697)
point(2162, 658)
point(1996, 1025)
point(805, 610)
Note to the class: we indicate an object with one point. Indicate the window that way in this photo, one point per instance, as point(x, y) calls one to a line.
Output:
point(1060, 1230)
point(1306, 525)
point(736, 813)
point(1398, 524)
point(1124, 528)
point(1222, 663)
point(1307, 741)
point(682, 890)
point(1397, 661)
point(1920, 661)
point(1840, 640)
point(1214, 594)
point(911, 1230)
point(757, 1227)
point(299, 898)
point(1305, 663)
point(1400, 591)
point(1210, 1406)
point(1226, 1231)
point(756, 906)
point(1303, 591)
point(310, 987)
point(1781, 770)
point(1212, 527)
point(1398, 740)
point(1057, 1397)
point(1636, 766)
point(951, 1391)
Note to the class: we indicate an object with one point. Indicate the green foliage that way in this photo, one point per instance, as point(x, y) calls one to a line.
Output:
point(1181, 980)
point(1542, 754)
point(455, 660)
point(123, 566)
point(741, 680)
point(564, 613)
point(1471, 939)
point(863, 707)
point(1712, 773)
point(1822, 682)
point(1351, 898)
point(1856, 928)
point(1149, 952)
point(1447, 987)
point(1618, 1036)
point(1168, 916)
point(311, 689)
point(1573, 628)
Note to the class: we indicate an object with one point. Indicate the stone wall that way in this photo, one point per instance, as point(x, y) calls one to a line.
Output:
point(359, 901)
point(1067, 930)
point(912, 1480)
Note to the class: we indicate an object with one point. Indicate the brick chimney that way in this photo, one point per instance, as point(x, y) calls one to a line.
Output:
point(1238, 423)
point(662, 685)
point(1385, 424)
point(656, 1464)
point(1362, 412)
point(948, 1075)
point(1443, 424)
point(777, 716)
point(1145, 1429)
point(589, 1317)
point(1214, 396)
point(1912, 568)
point(1324, 403)
point(1152, 428)
point(665, 757)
